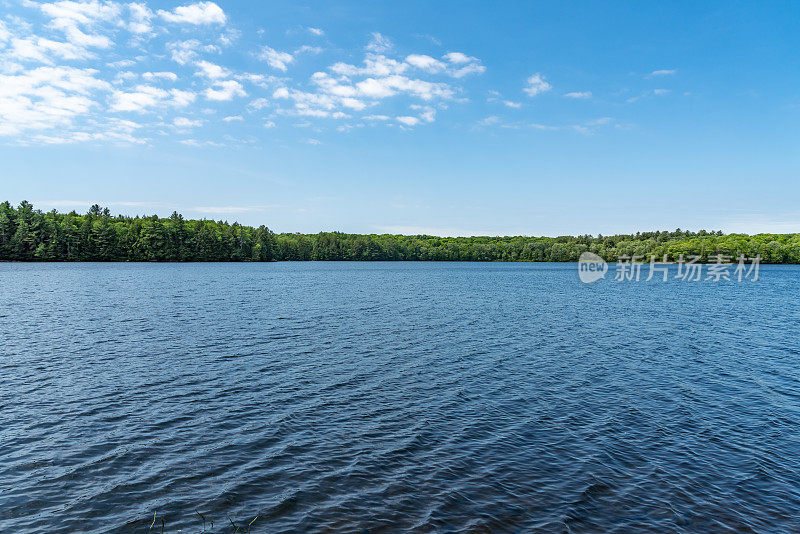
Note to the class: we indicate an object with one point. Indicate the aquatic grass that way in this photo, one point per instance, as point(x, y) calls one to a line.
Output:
point(236, 528)
point(249, 525)
point(204, 520)
point(163, 523)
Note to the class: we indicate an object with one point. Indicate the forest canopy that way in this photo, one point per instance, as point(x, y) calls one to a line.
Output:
point(28, 234)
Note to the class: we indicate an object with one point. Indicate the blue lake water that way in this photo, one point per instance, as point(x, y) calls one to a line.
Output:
point(432, 397)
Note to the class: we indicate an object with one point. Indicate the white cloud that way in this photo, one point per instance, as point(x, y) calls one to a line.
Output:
point(428, 115)
point(663, 72)
point(225, 90)
point(183, 122)
point(229, 36)
point(133, 80)
point(372, 88)
point(426, 63)
point(348, 87)
point(123, 63)
point(456, 64)
point(258, 103)
point(109, 136)
point(511, 104)
point(408, 120)
point(471, 68)
point(379, 43)
point(5, 35)
point(489, 121)
point(169, 76)
point(458, 58)
point(378, 88)
point(579, 95)
point(182, 98)
point(196, 143)
point(144, 97)
point(306, 49)
point(45, 50)
point(125, 76)
point(536, 84)
point(81, 39)
point(183, 52)
point(141, 17)
point(46, 98)
point(212, 71)
point(374, 65)
point(69, 13)
point(198, 14)
point(276, 59)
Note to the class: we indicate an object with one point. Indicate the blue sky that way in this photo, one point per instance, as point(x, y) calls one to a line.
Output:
point(449, 118)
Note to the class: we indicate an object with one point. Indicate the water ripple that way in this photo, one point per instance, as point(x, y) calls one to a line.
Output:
point(339, 397)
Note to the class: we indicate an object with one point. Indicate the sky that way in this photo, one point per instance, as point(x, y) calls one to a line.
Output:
point(444, 118)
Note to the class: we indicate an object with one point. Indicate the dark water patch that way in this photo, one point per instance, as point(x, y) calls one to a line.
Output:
point(395, 396)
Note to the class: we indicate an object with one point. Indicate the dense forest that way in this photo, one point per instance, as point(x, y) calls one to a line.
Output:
point(28, 234)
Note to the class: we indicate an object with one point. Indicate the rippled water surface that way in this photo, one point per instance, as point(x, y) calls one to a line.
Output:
point(447, 397)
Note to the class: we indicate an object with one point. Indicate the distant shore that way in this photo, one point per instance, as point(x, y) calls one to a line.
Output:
point(27, 234)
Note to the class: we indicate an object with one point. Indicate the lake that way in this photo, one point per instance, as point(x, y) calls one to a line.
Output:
point(382, 397)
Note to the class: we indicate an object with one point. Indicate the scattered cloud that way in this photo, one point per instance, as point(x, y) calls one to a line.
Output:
point(580, 95)
point(49, 96)
point(196, 143)
point(211, 70)
point(183, 122)
point(225, 90)
point(379, 44)
point(201, 13)
point(168, 76)
point(408, 120)
point(464, 64)
point(426, 63)
point(455, 64)
point(141, 19)
point(536, 84)
point(184, 52)
point(663, 72)
point(275, 59)
point(144, 98)
point(306, 49)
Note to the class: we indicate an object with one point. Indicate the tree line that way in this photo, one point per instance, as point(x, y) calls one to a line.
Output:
point(28, 234)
